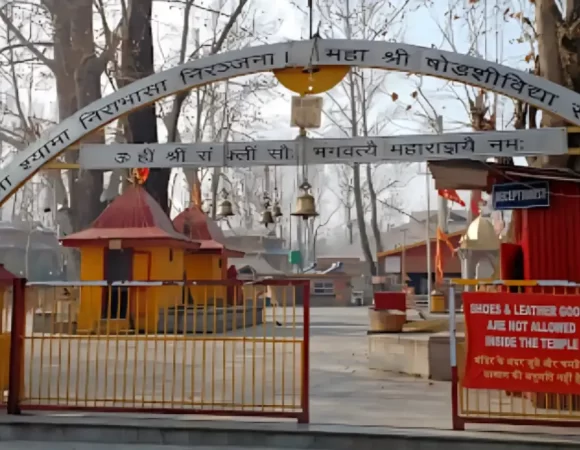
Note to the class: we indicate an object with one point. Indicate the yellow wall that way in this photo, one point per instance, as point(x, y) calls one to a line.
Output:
point(149, 264)
point(166, 264)
point(205, 267)
point(92, 269)
point(139, 296)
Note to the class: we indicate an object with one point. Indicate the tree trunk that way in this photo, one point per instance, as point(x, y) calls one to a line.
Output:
point(76, 65)
point(374, 219)
point(139, 63)
point(548, 21)
point(360, 218)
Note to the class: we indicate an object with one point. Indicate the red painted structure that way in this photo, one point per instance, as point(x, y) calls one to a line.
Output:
point(136, 219)
point(391, 300)
point(547, 238)
point(546, 241)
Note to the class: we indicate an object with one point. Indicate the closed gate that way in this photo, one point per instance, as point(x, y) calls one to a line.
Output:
point(207, 347)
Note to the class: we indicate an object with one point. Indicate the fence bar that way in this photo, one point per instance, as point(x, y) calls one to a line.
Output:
point(456, 420)
point(305, 416)
point(16, 374)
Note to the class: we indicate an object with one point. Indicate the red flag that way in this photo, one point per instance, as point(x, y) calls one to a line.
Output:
point(474, 203)
point(451, 195)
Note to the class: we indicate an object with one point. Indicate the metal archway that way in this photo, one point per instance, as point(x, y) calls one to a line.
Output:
point(466, 69)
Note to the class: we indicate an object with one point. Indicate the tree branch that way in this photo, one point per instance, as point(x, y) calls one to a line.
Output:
point(25, 42)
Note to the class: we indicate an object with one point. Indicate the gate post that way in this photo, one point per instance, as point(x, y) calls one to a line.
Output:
point(18, 323)
point(305, 398)
point(456, 421)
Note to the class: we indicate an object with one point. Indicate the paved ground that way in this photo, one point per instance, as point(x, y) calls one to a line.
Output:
point(32, 445)
point(343, 389)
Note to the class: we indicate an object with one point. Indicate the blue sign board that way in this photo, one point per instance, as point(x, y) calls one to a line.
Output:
point(524, 195)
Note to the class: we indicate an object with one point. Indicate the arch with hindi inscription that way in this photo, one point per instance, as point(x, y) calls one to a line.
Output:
point(466, 69)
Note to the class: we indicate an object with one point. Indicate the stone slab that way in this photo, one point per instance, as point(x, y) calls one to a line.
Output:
point(214, 320)
point(424, 355)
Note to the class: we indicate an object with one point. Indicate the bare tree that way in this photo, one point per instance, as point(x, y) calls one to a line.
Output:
point(221, 111)
point(76, 62)
point(352, 103)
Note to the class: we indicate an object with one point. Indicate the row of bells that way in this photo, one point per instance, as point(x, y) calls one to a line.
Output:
point(305, 208)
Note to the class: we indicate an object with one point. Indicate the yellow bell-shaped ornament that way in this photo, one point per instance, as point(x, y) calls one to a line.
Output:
point(305, 203)
point(276, 211)
point(267, 218)
point(225, 208)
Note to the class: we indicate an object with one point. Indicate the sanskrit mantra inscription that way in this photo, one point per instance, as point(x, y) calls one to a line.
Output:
point(324, 151)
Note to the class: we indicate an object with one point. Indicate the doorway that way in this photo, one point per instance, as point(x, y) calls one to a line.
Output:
point(118, 267)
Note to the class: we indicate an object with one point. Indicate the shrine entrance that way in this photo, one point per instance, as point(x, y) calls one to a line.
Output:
point(288, 61)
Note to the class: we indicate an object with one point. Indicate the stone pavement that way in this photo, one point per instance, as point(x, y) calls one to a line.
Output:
point(344, 392)
point(116, 431)
point(343, 389)
point(32, 445)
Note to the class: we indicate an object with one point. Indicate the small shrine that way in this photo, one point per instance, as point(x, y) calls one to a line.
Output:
point(132, 240)
point(480, 245)
point(210, 261)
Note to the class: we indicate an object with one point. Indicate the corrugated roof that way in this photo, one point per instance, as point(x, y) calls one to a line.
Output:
point(409, 246)
point(132, 215)
point(471, 174)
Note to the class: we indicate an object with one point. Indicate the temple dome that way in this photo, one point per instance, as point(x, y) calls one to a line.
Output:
point(480, 235)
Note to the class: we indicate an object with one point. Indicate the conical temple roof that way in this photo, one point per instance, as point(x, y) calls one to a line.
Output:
point(196, 225)
point(134, 215)
point(480, 235)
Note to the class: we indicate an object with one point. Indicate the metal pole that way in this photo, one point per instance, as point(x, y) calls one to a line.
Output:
point(404, 259)
point(428, 234)
point(442, 210)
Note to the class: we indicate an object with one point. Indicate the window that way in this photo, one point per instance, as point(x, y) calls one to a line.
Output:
point(323, 288)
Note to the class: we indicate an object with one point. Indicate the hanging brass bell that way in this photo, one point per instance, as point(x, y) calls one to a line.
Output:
point(305, 203)
point(267, 218)
point(225, 209)
point(276, 211)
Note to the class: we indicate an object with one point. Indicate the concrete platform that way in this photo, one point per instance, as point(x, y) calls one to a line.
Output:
point(423, 355)
point(116, 430)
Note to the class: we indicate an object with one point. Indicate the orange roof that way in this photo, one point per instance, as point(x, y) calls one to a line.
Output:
point(133, 216)
point(396, 251)
point(196, 225)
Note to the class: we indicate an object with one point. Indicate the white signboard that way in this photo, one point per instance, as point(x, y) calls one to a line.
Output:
point(547, 141)
point(462, 68)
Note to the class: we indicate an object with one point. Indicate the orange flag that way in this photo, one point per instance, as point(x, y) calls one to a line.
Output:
point(441, 237)
point(196, 193)
point(451, 195)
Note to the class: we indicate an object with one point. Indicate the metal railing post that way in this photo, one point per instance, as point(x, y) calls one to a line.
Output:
point(18, 322)
point(457, 423)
